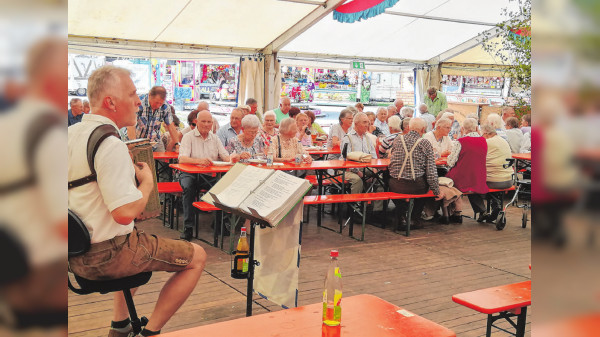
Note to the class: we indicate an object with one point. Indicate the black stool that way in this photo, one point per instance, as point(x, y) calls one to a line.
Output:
point(79, 244)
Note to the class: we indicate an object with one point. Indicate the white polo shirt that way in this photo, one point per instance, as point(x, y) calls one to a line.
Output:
point(115, 186)
point(193, 145)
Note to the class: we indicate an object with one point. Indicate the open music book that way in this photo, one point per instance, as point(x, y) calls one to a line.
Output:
point(262, 193)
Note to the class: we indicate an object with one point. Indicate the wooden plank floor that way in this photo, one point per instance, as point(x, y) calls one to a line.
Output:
point(419, 273)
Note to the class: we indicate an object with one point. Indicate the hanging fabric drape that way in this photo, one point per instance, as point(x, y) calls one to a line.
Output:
point(272, 82)
point(251, 81)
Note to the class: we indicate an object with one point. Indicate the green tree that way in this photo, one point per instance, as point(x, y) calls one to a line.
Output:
point(514, 50)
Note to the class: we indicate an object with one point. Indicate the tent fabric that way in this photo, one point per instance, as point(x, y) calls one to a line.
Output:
point(272, 82)
point(251, 84)
point(463, 69)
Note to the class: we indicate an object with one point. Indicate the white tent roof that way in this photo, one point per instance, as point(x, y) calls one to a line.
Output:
point(419, 31)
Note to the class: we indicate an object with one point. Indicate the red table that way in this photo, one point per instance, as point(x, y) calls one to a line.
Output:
point(522, 156)
point(324, 152)
point(362, 316)
point(165, 155)
point(508, 300)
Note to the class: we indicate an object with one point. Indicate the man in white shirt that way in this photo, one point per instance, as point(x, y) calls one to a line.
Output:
point(514, 135)
point(109, 205)
point(439, 139)
point(200, 147)
point(381, 121)
point(357, 140)
point(426, 116)
point(233, 128)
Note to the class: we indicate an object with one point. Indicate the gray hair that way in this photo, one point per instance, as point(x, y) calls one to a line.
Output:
point(394, 123)
point(344, 113)
point(448, 115)
point(102, 79)
point(474, 116)
point(285, 124)
point(74, 100)
point(489, 129)
point(269, 113)
point(358, 115)
point(417, 124)
point(495, 120)
point(423, 108)
point(392, 107)
point(353, 109)
point(443, 122)
point(406, 123)
point(250, 121)
point(469, 125)
point(407, 111)
point(382, 108)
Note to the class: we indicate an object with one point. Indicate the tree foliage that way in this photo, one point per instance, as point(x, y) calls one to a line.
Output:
point(514, 49)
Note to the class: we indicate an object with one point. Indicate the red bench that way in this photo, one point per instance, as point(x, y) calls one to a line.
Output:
point(506, 301)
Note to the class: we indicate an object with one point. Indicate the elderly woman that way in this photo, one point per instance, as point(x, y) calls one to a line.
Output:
point(407, 112)
point(439, 139)
point(303, 125)
point(315, 128)
point(268, 131)
point(498, 124)
point(338, 131)
point(381, 121)
point(293, 112)
point(385, 146)
point(247, 145)
point(286, 146)
point(455, 129)
point(497, 176)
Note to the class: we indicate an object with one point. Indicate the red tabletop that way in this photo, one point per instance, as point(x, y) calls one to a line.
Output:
point(497, 299)
point(522, 156)
point(165, 155)
point(315, 165)
point(324, 152)
point(362, 315)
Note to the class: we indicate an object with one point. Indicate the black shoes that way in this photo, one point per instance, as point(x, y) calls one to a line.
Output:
point(187, 234)
point(456, 218)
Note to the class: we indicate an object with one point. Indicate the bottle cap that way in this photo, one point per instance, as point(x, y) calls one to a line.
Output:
point(243, 229)
point(334, 253)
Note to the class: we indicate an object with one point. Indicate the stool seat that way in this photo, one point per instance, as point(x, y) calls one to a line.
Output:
point(169, 187)
point(108, 286)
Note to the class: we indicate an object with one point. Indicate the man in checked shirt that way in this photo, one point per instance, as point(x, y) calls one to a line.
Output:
point(413, 171)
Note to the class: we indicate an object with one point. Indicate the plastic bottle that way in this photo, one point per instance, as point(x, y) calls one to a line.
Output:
point(242, 249)
point(332, 293)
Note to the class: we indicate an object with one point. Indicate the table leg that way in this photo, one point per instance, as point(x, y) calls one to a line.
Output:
point(409, 215)
point(488, 331)
point(320, 192)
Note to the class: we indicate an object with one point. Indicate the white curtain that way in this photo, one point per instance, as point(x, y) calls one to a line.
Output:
point(272, 82)
point(252, 80)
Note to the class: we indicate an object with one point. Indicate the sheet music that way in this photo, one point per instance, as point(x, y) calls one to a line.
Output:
point(273, 194)
point(248, 180)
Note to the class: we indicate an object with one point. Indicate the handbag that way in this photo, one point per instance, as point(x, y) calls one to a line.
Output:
point(360, 157)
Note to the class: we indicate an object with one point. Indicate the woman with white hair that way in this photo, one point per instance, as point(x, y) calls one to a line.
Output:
point(407, 112)
point(497, 176)
point(455, 129)
point(303, 124)
point(498, 124)
point(338, 131)
point(268, 130)
point(246, 145)
point(286, 146)
point(439, 139)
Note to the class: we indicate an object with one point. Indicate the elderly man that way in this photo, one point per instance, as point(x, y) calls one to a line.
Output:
point(514, 135)
point(284, 108)
point(76, 112)
point(357, 140)
point(406, 125)
point(435, 101)
point(426, 116)
point(391, 111)
point(253, 104)
point(202, 106)
point(439, 139)
point(467, 163)
point(381, 121)
point(386, 142)
point(233, 128)
point(200, 147)
point(412, 170)
point(526, 123)
point(399, 104)
point(507, 112)
point(110, 205)
point(152, 113)
point(407, 112)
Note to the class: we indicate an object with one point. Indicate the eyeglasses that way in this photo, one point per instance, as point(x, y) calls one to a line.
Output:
point(192, 124)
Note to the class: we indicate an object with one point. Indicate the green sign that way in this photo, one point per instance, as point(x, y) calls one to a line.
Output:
point(358, 65)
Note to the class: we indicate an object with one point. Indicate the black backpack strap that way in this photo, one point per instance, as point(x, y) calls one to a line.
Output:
point(279, 145)
point(96, 138)
point(35, 133)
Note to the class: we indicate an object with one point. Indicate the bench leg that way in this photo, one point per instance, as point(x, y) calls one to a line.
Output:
point(521, 322)
point(490, 321)
point(411, 204)
point(362, 235)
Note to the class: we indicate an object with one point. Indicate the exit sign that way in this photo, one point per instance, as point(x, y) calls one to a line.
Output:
point(358, 65)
